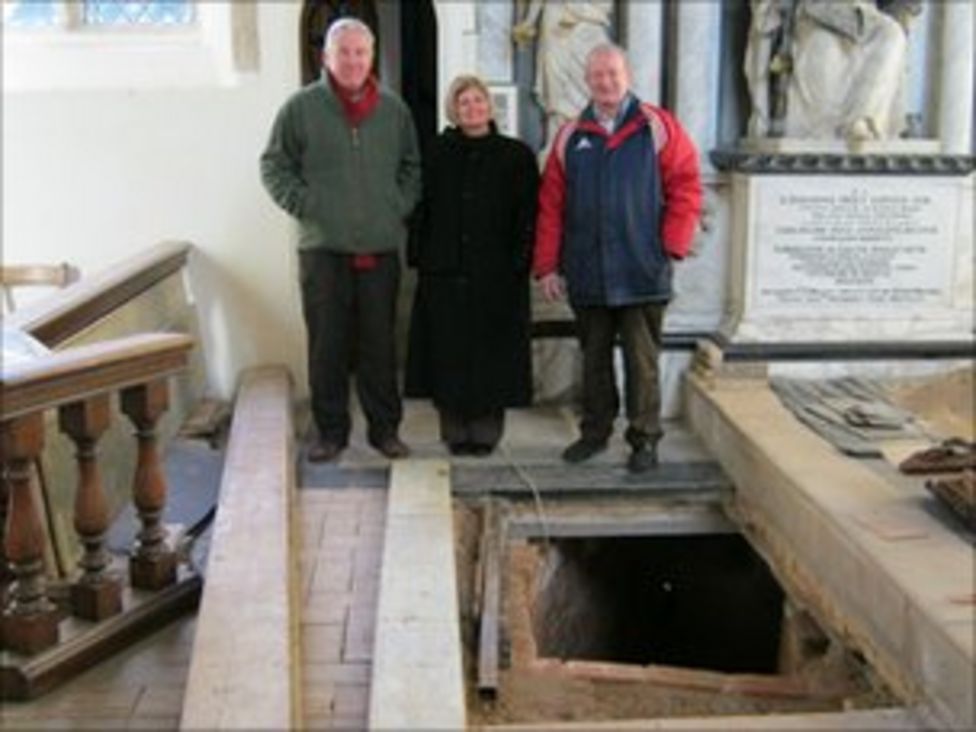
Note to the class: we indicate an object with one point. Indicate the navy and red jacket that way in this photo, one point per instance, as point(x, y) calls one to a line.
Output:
point(615, 209)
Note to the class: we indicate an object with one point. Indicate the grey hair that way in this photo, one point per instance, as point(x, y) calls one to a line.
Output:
point(606, 49)
point(346, 25)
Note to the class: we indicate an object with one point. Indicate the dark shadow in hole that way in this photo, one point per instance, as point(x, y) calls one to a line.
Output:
point(692, 601)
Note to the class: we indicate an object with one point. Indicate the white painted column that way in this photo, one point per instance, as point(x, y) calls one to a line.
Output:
point(495, 41)
point(644, 41)
point(697, 58)
point(457, 45)
point(956, 77)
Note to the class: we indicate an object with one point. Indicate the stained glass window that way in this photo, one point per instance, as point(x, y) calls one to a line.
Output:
point(31, 13)
point(114, 13)
point(126, 12)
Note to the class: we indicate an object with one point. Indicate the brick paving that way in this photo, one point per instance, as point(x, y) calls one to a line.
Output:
point(342, 543)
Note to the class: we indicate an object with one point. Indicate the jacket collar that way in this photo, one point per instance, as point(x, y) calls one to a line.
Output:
point(629, 121)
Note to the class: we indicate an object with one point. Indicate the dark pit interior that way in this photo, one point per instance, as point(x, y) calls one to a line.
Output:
point(704, 601)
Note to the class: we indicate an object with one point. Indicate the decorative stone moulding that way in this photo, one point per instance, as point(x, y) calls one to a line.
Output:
point(840, 163)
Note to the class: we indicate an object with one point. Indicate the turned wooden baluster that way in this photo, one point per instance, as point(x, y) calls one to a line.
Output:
point(98, 593)
point(5, 574)
point(30, 621)
point(153, 565)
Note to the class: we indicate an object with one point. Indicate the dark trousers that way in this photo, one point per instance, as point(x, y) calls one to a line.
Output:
point(639, 329)
point(483, 430)
point(349, 317)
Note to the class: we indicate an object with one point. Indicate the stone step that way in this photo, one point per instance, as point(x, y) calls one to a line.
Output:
point(870, 719)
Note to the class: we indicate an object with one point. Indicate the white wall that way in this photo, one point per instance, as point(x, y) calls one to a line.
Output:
point(92, 176)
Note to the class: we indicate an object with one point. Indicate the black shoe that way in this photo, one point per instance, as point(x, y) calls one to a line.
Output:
point(642, 459)
point(324, 451)
point(459, 448)
point(479, 450)
point(582, 450)
point(392, 448)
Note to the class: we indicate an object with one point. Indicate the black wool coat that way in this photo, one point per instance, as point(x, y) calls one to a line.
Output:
point(475, 227)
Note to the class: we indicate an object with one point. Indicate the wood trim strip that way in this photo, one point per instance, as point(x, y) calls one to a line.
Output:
point(78, 373)
point(69, 311)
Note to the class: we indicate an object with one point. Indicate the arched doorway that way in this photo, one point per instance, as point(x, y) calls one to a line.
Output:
point(418, 65)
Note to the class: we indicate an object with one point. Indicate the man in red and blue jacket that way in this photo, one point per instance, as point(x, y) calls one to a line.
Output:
point(620, 200)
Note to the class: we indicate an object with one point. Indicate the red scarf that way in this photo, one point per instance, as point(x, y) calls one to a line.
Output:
point(357, 106)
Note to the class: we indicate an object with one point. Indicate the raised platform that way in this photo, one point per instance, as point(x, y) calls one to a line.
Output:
point(863, 552)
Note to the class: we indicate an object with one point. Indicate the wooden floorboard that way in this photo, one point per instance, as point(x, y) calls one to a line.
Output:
point(601, 479)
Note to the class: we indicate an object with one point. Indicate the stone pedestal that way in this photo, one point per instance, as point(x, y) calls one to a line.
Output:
point(806, 146)
point(861, 258)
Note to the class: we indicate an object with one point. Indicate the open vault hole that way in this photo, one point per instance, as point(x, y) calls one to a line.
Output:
point(702, 601)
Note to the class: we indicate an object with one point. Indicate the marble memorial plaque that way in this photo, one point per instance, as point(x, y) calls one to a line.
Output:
point(850, 258)
point(867, 246)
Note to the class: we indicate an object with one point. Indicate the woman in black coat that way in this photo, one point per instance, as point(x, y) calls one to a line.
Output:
point(469, 330)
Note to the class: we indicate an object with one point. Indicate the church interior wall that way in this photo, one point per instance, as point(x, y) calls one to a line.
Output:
point(92, 176)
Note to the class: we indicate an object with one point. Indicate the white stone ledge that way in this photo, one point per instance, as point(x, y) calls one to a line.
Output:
point(885, 573)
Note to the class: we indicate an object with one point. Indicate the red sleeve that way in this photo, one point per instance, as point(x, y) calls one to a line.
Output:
point(681, 186)
point(552, 198)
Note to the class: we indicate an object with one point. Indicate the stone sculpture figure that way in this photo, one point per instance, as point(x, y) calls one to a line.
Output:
point(567, 31)
point(843, 63)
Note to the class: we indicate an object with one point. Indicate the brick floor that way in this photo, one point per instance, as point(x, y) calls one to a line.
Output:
point(342, 543)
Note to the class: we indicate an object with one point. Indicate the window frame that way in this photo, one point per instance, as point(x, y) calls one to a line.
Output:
point(77, 55)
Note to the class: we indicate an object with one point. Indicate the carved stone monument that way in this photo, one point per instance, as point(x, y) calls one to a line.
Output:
point(566, 31)
point(845, 235)
point(851, 259)
point(828, 69)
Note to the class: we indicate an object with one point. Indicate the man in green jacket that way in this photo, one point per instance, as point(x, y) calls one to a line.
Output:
point(343, 159)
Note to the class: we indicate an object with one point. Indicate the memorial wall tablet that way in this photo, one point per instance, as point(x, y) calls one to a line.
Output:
point(851, 257)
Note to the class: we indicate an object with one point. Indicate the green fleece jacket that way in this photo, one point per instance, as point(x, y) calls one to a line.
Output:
point(351, 189)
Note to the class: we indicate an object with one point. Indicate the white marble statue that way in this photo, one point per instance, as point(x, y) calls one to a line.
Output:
point(567, 32)
point(763, 59)
point(844, 62)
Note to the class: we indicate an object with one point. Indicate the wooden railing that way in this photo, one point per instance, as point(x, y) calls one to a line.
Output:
point(146, 292)
point(54, 320)
point(80, 383)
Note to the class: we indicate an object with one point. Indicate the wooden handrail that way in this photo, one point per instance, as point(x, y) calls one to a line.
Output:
point(52, 320)
point(78, 373)
point(79, 383)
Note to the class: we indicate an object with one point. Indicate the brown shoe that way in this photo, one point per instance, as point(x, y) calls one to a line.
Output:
point(324, 451)
point(393, 448)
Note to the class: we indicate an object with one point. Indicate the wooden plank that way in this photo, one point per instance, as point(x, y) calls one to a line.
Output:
point(490, 606)
point(417, 678)
point(245, 665)
point(656, 519)
point(695, 477)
